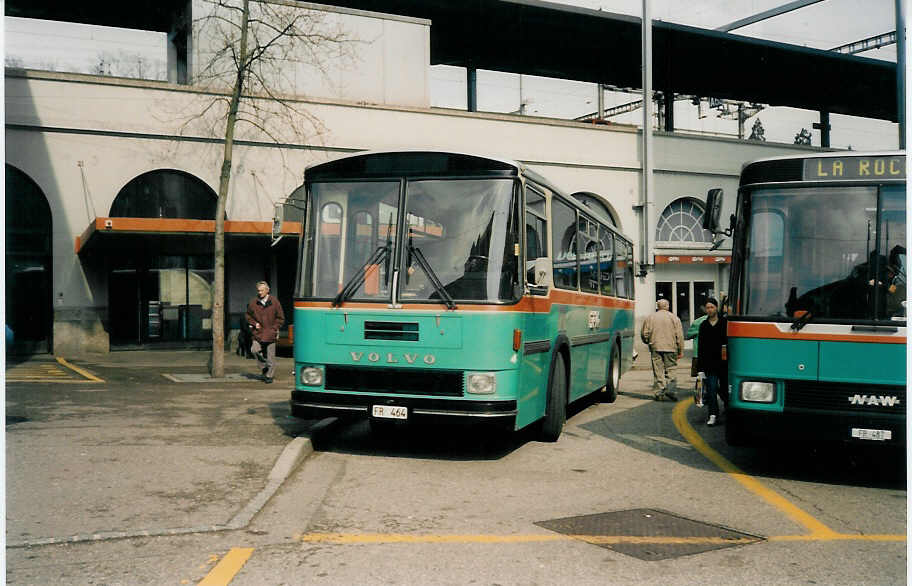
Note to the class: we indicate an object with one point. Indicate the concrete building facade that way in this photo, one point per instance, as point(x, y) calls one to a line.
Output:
point(128, 172)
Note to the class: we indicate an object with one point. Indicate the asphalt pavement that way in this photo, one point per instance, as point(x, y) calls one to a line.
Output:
point(146, 443)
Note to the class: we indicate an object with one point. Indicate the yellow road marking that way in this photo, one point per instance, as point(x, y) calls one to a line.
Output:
point(383, 538)
point(817, 529)
point(76, 369)
point(226, 569)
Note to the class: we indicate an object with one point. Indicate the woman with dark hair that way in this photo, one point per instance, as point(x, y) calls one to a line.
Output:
point(713, 361)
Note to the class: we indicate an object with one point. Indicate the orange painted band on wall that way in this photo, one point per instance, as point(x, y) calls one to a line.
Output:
point(771, 331)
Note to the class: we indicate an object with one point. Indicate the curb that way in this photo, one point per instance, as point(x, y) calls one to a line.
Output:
point(298, 450)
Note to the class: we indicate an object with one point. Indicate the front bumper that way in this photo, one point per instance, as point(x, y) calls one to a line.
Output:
point(765, 427)
point(317, 404)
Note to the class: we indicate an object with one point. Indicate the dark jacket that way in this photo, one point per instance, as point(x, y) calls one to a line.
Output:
point(710, 341)
point(270, 317)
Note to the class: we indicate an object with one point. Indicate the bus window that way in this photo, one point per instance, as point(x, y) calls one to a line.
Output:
point(328, 249)
point(606, 261)
point(353, 220)
point(588, 250)
point(536, 232)
point(563, 230)
point(891, 298)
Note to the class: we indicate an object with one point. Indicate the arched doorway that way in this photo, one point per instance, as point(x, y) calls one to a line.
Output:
point(160, 289)
point(29, 311)
point(686, 287)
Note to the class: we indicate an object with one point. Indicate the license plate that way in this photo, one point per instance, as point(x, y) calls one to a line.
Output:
point(872, 434)
point(390, 412)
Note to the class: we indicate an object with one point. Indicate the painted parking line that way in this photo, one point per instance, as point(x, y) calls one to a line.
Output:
point(88, 375)
point(225, 571)
point(50, 372)
point(818, 531)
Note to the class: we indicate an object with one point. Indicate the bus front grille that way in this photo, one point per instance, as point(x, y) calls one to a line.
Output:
point(872, 399)
point(408, 381)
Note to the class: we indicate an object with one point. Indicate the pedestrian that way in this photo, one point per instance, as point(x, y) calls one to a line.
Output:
point(265, 316)
point(713, 359)
point(663, 333)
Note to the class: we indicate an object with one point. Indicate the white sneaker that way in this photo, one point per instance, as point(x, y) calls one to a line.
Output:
point(711, 421)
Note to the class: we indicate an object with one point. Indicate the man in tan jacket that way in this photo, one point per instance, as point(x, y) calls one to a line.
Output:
point(663, 333)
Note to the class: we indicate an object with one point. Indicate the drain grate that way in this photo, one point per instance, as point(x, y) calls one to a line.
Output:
point(649, 534)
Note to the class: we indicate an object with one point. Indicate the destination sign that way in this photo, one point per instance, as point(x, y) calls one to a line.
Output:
point(855, 167)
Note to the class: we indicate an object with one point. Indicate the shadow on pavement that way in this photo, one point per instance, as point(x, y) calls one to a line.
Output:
point(461, 442)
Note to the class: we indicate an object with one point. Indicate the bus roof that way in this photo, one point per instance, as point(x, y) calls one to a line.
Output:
point(842, 166)
point(431, 163)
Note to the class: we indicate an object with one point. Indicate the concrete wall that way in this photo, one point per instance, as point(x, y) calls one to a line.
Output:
point(340, 53)
point(82, 138)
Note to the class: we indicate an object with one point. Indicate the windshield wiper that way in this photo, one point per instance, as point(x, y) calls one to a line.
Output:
point(802, 321)
point(359, 277)
point(431, 275)
point(381, 254)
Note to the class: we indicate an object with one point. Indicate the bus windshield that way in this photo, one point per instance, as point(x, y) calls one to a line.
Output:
point(825, 253)
point(458, 240)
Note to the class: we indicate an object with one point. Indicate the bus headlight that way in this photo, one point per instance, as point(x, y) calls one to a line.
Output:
point(311, 376)
point(481, 383)
point(758, 392)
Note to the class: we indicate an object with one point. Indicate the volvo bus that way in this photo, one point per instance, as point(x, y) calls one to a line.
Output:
point(454, 287)
point(817, 324)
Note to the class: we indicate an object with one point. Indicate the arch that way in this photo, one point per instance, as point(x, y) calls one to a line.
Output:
point(165, 193)
point(681, 221)
point(595, 202)
point(29, 280)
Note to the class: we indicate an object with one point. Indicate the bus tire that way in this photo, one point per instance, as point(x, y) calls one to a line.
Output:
point(556, 408)
point(613, 383)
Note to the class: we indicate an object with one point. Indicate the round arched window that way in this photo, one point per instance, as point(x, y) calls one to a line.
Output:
point(682, 221)
point(165, 193)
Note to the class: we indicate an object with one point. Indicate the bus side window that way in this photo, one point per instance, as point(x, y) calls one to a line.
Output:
point(606, 261)
point(564, 236)
point(536, 232)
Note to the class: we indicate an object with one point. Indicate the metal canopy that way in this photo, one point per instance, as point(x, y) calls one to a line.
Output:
point(553, 40)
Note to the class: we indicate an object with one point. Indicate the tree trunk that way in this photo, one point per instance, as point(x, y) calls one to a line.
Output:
point(217, 363)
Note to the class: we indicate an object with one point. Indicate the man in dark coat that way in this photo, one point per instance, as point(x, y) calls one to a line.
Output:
point(266, 318)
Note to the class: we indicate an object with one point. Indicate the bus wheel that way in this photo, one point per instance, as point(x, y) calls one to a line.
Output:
point(556, 410)
point(610, 393)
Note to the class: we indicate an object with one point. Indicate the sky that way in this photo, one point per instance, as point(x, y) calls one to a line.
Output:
point(824, 25)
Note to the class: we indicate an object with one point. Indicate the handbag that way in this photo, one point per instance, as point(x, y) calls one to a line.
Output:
point(698, 391)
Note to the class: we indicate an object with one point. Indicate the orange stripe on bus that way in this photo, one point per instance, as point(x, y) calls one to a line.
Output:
point(528, 304)
point(768, 330)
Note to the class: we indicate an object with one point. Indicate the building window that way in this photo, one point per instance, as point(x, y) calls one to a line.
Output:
point(682, 221)
point(165, 193)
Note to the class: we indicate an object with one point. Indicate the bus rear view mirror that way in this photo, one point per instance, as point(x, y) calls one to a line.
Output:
point(713, 210)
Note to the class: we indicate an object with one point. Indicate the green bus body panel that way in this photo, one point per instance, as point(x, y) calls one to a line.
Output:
point(476, 341)
point(838, 362)
point(878, 364)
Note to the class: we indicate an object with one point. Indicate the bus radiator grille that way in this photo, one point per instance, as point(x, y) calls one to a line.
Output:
point(406, 381)
point(874, 399)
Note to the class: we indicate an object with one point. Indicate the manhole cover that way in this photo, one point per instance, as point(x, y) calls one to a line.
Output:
point(648, 534)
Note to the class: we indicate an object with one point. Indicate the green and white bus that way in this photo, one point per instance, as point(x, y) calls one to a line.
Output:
point(449, 286)
point(817, 324)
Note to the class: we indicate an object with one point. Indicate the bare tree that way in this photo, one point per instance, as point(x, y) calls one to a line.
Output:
point(255, 52)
